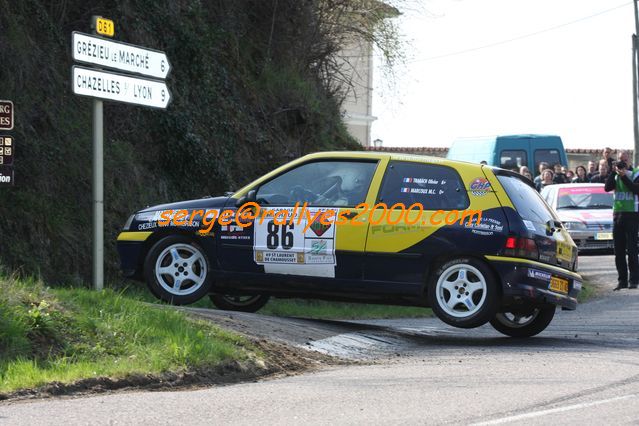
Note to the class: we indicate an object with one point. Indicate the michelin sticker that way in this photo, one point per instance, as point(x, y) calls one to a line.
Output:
point(287, 248)
point(539, 275)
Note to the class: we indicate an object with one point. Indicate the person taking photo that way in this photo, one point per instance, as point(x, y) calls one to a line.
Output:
point(625, 214)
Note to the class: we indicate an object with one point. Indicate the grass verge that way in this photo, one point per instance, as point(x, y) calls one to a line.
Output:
point(317, 309)
point(66, 335)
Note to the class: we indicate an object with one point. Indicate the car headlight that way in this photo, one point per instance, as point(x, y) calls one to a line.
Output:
point(147, 216)
point(575, 226)
point(128, 223)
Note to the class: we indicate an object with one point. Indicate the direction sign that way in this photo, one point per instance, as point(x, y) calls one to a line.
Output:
point(6, 115)
point(120, 56)
point(119, 87)
point(6, 176)
point(7, 150)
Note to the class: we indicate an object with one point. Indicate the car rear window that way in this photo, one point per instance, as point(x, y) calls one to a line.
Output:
point(526, 200)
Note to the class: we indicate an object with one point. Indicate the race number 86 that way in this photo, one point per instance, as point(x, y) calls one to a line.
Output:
point(279, 235)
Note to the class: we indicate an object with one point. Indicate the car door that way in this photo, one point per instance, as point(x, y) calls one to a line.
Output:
point(304, 225)
point(399, 244)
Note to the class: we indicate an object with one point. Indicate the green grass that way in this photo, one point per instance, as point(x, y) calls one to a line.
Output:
point(588, 291)
point(70, 334)
point(318, 309)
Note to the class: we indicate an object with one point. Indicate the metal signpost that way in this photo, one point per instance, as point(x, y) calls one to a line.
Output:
point(100, 84)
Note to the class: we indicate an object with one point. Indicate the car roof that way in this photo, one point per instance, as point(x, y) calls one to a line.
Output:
point(382, 154)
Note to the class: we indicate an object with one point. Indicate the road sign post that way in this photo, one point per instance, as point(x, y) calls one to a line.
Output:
point(98, 195)
point(113, 86)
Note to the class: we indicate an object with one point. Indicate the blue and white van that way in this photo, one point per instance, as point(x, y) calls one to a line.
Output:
point(510, 152)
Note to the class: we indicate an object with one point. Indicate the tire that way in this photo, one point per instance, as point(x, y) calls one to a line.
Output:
point(192, 266)
point(464, 293)
point(518, 325)
point(229, 302)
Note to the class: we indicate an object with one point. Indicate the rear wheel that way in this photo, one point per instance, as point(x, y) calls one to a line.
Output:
point(464, 293)
point(523, 324)
point(239, 303)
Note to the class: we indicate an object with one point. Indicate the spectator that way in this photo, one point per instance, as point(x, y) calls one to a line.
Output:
point(592, 169)
point(528, 175)
point(603, 172)
point(582, 175)
point(542, 166)
point(559, 176)
point(547, 178)
point(625, 224)
point(607, 155)
point(523, 170)
point(570, 175)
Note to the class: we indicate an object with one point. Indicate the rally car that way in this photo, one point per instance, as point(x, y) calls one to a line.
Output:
point(511, 268)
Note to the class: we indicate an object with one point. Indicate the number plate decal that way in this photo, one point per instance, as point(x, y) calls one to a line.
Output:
point(282, 246)
point(559, 285)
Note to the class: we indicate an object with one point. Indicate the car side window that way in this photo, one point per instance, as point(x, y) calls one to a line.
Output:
point(436, 187)
point(320, 184)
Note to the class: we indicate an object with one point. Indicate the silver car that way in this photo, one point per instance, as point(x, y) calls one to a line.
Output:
point(585, 209)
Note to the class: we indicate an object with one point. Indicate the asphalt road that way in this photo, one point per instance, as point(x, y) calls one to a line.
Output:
point(584, 369)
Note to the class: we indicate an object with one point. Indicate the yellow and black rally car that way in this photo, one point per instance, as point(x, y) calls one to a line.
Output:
point(475, 243)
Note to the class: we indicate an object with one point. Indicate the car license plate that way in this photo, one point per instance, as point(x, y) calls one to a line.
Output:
point(603, 236)
point(559, 285)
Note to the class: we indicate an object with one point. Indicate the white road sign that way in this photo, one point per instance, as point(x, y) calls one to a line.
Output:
point(119, 87)
point(121, 56)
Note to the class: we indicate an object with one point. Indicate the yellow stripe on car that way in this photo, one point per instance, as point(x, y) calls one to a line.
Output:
point(534, 263)
point(134, 236)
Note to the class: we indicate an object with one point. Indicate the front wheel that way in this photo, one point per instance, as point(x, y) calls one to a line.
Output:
point(464, 293)
point(229, 302)
point(177, 270)
point(517, 324)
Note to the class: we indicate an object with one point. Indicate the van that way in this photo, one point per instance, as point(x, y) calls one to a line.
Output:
point(510, 152)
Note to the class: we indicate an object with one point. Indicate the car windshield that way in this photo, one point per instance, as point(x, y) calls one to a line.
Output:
point(584, 197)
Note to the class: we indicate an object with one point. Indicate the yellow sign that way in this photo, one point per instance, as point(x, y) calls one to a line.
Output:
point(105, 27)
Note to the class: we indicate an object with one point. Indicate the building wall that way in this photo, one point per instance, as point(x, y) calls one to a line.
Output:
point(357, 66)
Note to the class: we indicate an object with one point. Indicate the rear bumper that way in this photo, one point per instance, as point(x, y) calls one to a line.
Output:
point(525, 281)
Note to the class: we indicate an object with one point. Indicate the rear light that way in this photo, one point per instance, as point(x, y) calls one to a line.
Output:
point(521, 247)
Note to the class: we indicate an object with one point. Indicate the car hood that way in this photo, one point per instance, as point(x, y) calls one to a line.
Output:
point(201, 203)
point(585, 216)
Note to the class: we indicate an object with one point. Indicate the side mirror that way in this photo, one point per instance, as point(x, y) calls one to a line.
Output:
point(250, 196)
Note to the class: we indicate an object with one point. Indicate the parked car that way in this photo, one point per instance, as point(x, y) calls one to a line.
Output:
point(511, 151)
point(585, 209)
point(512, 268)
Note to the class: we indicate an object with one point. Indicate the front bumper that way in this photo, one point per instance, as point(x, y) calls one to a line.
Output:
point(526, 281)
point(130, 246)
